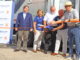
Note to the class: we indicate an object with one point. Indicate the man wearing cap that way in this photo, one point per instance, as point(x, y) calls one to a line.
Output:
point(70, 17)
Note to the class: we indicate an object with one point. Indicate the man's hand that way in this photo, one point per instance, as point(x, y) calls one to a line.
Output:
point(31, 29)
point(16, 29)
point(52, 23)
point(67, 20)
point(45, 30)
point(54, 29)
point(35, 32)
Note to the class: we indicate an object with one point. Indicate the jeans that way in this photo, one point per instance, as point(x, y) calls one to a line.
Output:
point(74, 32)
point(50, 37)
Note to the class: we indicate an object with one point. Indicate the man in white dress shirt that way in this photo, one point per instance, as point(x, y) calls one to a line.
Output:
point(50, 36)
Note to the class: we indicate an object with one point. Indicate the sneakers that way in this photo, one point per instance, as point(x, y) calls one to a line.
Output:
point(16, 50)
point(77, 59)
point(24, 50)
point(70, 57)
point(45, 52)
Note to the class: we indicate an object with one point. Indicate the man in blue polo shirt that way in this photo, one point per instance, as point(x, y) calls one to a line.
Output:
point(61, 35)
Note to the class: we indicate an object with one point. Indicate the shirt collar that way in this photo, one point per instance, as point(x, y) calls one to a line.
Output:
point(51, 13)
point(24, 13)
point(39, 17)
point(71, 9)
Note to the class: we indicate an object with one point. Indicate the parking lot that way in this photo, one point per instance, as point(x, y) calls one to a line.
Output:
point(7, 53)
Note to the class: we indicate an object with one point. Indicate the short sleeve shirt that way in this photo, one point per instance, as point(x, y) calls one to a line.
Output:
point(71, 15)
point(49, 17)
point(38, 21)
point(65, 24)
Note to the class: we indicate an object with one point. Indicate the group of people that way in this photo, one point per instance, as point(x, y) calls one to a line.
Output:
point(64, 29)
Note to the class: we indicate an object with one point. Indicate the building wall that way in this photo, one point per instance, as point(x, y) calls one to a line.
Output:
point(33, 6)
point(36, 4)
point(41, 4)
point(62, 3)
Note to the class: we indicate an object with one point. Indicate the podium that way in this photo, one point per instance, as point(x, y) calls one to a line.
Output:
point(6, 21)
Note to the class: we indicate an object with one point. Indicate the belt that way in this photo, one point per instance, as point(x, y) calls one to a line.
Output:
point(76, 25)
point(62, 29)
point(23, 30)
point(54, 26)
point(71, 26)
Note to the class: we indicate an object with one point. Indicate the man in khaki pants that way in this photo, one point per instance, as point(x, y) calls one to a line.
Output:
point(25, 25)
point(61, 35)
